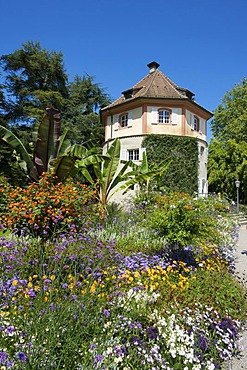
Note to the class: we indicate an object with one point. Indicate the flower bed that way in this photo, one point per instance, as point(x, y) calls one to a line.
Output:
point(87, 300)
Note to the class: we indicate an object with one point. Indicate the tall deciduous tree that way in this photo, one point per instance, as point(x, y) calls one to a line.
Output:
point(228, 150)
point(230, 118)
point(227, 163)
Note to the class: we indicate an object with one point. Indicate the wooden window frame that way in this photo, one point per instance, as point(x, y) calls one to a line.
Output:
point(135, 153)
point(123, 120)
point(196, 122)
point(170, 116)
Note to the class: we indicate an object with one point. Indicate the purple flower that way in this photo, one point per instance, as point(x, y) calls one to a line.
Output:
point(136, 340)
point(10, 364)
point(202, 342)
point(107, 313)
point(10, 330)
point(97, 359)
point(3, 357)
point(152, 332)
point(21, 356)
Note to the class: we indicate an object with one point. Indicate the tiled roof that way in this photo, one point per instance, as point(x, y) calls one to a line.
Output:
point(153, 85)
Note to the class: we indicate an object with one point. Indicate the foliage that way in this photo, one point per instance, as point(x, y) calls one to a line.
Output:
point(230, 118)
point(35, 79)
point(48, 145)
point(114, 175)
point(107, 172)
point(227, 163)
point(51, 152)
point(144, 172)
point(183, 220)
point(9, 166)
point(182, 174)
point(45, 208)
point(80, 115)
point(227, 152)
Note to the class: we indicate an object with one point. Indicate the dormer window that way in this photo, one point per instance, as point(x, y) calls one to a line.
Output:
point(164, 116)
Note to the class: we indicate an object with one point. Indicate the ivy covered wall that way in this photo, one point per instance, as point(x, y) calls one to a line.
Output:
point(182, 174)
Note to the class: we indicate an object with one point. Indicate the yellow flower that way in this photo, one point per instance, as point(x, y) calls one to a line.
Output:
point(92, 289)
point(14, 282)
point(137, 274)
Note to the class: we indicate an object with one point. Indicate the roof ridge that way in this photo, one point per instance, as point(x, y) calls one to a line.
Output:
point(171, 83)
point(151, 81)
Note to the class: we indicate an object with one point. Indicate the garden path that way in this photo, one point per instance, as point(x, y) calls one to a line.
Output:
point(240, 362)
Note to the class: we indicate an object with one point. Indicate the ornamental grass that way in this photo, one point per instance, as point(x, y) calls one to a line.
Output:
point(111, 294)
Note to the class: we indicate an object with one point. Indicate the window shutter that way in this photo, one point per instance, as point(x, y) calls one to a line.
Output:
point(154, 116)
point(174, 116)
point(125, 155)
point(130, 119)
point(201, 126)
point(115, 121)
point(192, 120)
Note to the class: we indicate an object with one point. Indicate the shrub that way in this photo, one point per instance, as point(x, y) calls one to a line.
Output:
point(184, 220)
point(46, 207)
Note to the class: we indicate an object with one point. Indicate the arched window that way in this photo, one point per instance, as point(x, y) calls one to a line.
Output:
point(164, 116)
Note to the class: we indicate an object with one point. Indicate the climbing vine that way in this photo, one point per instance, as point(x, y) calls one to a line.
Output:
point(182, 174)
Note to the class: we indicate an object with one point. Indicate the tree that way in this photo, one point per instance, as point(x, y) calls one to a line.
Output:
point(81, 114)
point(227, 163)
point(228, 150)
point(34, 80)
point(230, 118)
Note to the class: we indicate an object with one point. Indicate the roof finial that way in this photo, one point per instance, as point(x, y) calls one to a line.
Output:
point(153, 66)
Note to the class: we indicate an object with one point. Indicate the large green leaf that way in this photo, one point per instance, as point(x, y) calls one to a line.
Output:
point(64, 144)
point(64, 167)
point(111, 163)
point(48, 140)
point(18, 146)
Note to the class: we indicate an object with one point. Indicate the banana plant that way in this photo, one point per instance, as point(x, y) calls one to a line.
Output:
point(143, 173)
point(51, 151)
point(114, 174)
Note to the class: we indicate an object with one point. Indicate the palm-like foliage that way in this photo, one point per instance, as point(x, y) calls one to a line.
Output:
point(51, 151)
point(114, 174)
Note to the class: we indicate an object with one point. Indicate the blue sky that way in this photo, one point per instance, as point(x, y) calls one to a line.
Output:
point(200, 44)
